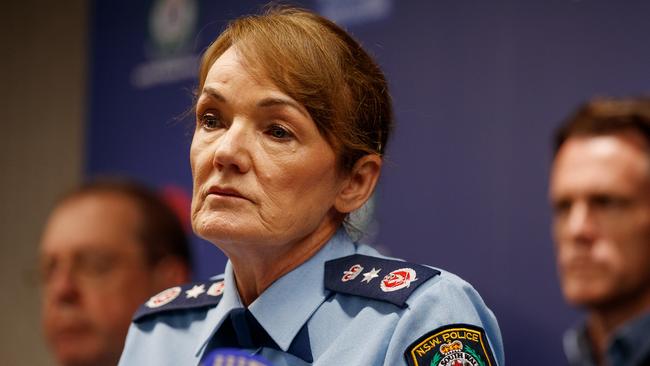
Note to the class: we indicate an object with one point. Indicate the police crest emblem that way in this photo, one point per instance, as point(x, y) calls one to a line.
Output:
point(452, 345)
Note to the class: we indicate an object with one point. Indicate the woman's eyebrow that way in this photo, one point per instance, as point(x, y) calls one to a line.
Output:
point(279, 102)
point(213, 93)
point(264, 103)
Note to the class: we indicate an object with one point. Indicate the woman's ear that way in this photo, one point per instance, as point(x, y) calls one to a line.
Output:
point(359, 184)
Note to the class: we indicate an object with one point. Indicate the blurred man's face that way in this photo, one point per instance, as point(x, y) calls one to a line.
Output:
point(600, 193)
point(94, 277)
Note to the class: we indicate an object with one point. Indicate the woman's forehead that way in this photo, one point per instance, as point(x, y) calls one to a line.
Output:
point(231, 64)
point(231, 71)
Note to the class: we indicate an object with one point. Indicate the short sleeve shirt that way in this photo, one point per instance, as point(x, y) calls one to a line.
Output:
point(441, 320)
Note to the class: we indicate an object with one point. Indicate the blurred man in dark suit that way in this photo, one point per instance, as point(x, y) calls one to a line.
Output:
point(106, 248)
point(600, 194)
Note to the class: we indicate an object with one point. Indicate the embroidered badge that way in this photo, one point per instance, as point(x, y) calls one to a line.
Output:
point(352, 273)
point(216, 289)
point(451, 345)
point(164, 297)
point(398, 279)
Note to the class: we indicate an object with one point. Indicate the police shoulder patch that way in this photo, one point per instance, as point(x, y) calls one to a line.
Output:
point(188, 296)
point(382, 279)
point(451, 345)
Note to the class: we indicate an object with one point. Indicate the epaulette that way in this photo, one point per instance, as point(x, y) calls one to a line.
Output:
point(382, 279)
point(188, 296)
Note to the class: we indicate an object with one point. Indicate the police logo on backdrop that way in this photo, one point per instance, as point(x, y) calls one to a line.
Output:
point(451, 345)
point(172, 24)
point(170, 58)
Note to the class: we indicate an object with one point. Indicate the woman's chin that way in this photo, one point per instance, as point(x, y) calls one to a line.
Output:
point(214, 226)
point(220, 236)
point(226, 237)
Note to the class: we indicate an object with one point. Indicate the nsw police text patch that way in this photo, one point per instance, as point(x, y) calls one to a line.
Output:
point(451, 345)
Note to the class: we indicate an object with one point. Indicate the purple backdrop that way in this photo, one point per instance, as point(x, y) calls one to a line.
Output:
point(478, 87)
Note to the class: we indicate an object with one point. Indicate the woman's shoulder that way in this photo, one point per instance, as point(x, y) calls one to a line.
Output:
point(176, 317)
point(182, 299)
point(435, 307)
point(447, 318)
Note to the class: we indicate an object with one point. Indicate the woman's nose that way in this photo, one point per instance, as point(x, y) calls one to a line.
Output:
point(233, 148)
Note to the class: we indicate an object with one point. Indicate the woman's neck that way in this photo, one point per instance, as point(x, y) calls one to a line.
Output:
point(257, 268)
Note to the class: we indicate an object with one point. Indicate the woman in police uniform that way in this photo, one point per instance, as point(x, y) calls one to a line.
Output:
point(292, 120)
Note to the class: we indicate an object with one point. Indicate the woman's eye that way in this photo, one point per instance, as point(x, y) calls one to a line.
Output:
point(210, 121)
point(279, 132)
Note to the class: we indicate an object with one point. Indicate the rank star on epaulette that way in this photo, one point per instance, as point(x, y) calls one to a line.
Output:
point(451, 345)
point(195, 291)
point(368, 276)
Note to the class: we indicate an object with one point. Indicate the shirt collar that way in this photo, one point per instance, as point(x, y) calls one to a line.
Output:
point(631, 341)
point(284, 307)
point(577, 346)
point(288, 304)
point(215, 316)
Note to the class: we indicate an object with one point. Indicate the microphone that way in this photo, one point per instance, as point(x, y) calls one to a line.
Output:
point(233, 357)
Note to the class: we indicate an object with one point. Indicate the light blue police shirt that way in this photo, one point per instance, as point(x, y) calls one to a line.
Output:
point(442, 319)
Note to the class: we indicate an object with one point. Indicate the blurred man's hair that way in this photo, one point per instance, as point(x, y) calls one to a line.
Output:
point(605, 116)
point(160, 229)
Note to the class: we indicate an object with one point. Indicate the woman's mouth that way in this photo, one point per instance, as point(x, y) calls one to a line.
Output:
point(224, 191)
